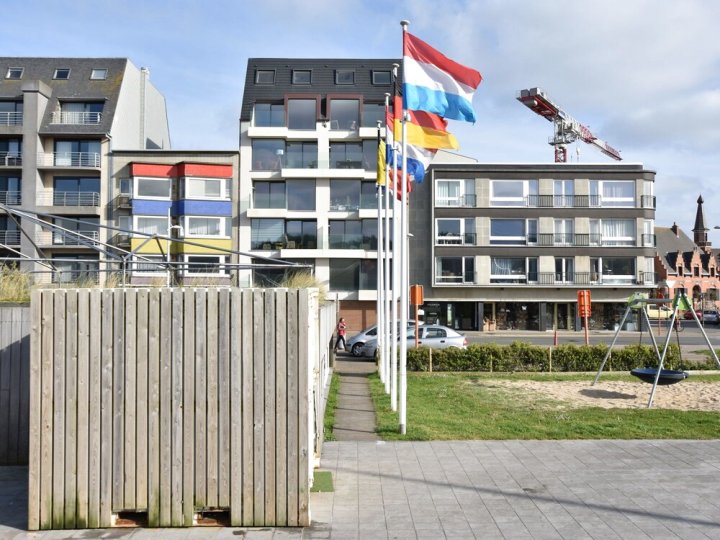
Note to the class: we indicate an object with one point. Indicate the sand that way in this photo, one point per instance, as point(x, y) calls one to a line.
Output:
point(686, 395)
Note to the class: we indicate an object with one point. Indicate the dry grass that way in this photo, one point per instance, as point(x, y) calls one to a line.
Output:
point(14, 285)
point(305, 280)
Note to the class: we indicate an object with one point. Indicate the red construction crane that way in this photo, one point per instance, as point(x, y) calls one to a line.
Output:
point(567, 129)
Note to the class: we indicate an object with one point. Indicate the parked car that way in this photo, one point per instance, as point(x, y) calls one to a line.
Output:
point(655, 311)
point(710, 316)
point(355, 343)
point(434, 336)
point(688, 315)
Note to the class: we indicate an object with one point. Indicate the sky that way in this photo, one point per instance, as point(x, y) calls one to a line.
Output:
point(643, 75)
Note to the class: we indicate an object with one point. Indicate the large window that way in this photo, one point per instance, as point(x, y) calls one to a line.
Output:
point(353, 274)
point(372, 114)
point(76, 268)
point(11, 113)
point(368, 195)
point(302, 113)
point(301, 155)
point(266, 233)
point(10, 190)
point(564, 232)
point(613, 192)
point(77, 112)
point(614, 232)
point(345, 234)
point(301, 234)
point(346, 155)
point(512, 270)
point(152, 188)
point(344, 113)
point(10, 152)
point(277, 277)
point(460, 231)
point(207, 226)
point(455, 193)
point(613, 270)
point(512, 192)
point(563, 193)
point(76, 191)
point(268, 154)
point(458, 270)
point(295, 195)
point(205, 265)
point(269, 115)
point(151, 225)
point(344, 195)
point(564, 269)
point(88, 229)
point(77, 153)
point(513, 232)
point(205, 188)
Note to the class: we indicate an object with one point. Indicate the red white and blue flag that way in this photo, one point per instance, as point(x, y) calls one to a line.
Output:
point(434, 83)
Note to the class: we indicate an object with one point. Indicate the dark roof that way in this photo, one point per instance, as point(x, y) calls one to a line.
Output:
point(669, 245)
point(322, 79)
point(78, 87)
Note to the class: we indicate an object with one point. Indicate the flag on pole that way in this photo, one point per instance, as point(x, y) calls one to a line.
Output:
point(434, 83)
point(424, 129)
point(418, 157)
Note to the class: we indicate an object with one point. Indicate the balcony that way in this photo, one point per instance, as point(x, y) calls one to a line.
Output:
point(11, 118)
point(559, 279)
point(10, 238)
point(10, 159)
point(647, 201)
point(69, 159)
point(466, 239)
point(11, 198)
point(456, 279)
point(76, 118)
point(562, 201)
point(569, 239)
point(68, 198)
point(463, 201)
point(69, 238)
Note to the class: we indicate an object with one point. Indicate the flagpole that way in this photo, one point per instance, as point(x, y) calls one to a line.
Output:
point(390, 330)
point(379, 285)
point(395, 327)
point(404, 286)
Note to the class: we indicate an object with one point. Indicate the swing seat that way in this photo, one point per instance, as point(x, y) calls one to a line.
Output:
point(667, 376)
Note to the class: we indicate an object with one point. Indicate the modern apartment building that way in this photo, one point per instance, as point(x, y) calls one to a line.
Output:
point(308, 159)
point(508, 246)
point(188, 196)
point(60, 121)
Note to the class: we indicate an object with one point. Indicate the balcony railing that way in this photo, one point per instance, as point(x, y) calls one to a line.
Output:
point(10, 159)
point(466, 239)
point(11, 118)
point(82, 118)
point(68, 198)
point(562, 201)
point(573, 278)
point(69, 159)
point(290, 244)
point(647, 201)
point(10, 238)
point(565, 239)
point(462, 279)
point(63, 238)
point(10, 197)
point(464, 201)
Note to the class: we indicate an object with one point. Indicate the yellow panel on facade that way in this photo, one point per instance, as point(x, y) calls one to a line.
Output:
point(209, 245)
point(151, 246)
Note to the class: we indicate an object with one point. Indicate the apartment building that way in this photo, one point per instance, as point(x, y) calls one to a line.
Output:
point(508, 246)
point(60, 121)
point(308, 159)
point(175, 210)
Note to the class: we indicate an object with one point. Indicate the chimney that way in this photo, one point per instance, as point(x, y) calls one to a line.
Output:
point(674, 229)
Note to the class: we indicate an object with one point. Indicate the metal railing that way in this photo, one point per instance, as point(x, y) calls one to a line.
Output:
point(63, 238)
point(10, 159)
point(68, 198)
point(10, 238)
point(563, 201)
point(467, 279)
point(11, 118)
point(70, 117)
point(565, 239)
point(10, 197)
point(465, 239)
point(464, 201)
point(68, 159)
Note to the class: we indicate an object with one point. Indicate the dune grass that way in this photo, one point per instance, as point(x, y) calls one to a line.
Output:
point(451, 406)
point(331, 406)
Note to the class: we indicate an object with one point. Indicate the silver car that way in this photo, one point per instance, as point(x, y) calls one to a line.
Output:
point(431, 335)
point(355, 343)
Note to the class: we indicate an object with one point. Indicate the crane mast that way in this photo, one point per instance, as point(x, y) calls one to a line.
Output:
point(566, 129)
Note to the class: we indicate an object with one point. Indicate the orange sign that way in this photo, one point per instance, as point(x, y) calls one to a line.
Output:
point(416, 295)
point(583, 298)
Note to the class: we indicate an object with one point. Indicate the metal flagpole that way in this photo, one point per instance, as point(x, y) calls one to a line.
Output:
point(404, 252)
point(389, 330)
point(380, 300)
point(395, 327)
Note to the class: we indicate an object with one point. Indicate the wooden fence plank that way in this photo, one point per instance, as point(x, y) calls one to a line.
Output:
point(248, 413)
point(71, 405)
point(165, 413)
point(106, 409)
point(130, 418)
point(212, 398)
point(83, 405)
point(223, 394)
point(58, 460)
point(34, 462)
point(47, 355)
point(141, 492)
point(176, 409)
point(304, 404)
point(259, 406)
point(293, 383)
point(118, 402)
point(94, 407)
point(24, 354)
point(200, 399)
point(189, 410)
point(270, 338)
point(154, 408)
point(281, 409)
point(5, 368)
point(236, 409)
point(12, 346)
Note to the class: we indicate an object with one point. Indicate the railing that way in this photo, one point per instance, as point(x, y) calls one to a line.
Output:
point(10, 197)
point(11, 118)
point(464, 201)
point(76, 276)
point(69, 198)
point(337, 207)
point(562, 201)
point(467, 279)
point(10, 159)
point(647, 201)
point(341, 241)
point(68, 159)
point(466, 239)
point(10, 238)
point(69, 238)
point(565, 239)
point(290, 244)
point(69, 117)
point(573, 278)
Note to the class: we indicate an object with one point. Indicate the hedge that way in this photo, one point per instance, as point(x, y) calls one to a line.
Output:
point(520, 356)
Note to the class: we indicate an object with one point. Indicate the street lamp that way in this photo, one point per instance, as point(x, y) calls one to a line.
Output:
point(181, 232)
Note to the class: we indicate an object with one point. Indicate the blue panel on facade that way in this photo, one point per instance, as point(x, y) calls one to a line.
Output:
point(147, 207)
point(187, 207)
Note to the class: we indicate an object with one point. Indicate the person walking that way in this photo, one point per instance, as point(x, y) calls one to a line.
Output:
point(341, 326)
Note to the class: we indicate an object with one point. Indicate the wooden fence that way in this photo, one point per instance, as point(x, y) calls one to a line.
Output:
point(14, 383)
point(169, 405)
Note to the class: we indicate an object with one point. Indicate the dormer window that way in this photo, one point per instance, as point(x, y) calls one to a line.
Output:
point(14, 73)
point(344, 76)
point(62, 74)
point(265, 76)
point(98, 74)
point(301, 76)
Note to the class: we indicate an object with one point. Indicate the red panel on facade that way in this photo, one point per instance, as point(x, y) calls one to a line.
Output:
point(153, 169)
point(207, 170)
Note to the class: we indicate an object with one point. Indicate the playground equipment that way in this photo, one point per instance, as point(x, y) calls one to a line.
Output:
point(658, 376)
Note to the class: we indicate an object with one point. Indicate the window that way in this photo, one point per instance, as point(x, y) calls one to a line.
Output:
point(564, 230)
point(302, 113)
point(301, 76)
point(344, 113)
point(79, 112)
point(207, 226)
point(563, 191)
point(512, 192)
point(62, 73)
point(14, 73)
point(149, 264)
point(513, 232)
point(301, 155)
point(265, 233)
point(268, 154)
point(381, 77)
point(344, 76)
point(648, 233)
point(269, 115)
point(89, 229)
point(212, 265)
point(205, 188)
point(347, 155)
point(369, 234)
point(150, 225)
point(344, 195)
point(152, 188)
point(82, 268)
point(10, 190)
point(613, 232)
point(276, 277)
point(455, 231)
point(564, 269)
point(11, 113)
point(265, 76)
point(77, 153)
point(512, 270)
point(455, 193)
point(368, 195)
point(353, 274)
point(76, 191)
point(295, 195)
point(98, 74)
point(345, 234)
point(372, 113)
point(613, 270)
point(300, 234)
point(457, 270)
point(613, 192)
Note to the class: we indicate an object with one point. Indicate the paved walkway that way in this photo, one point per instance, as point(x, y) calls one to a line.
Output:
point(355, 413)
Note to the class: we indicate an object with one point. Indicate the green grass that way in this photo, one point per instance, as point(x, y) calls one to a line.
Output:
point(453, 406)
point(322, 482)
point(330, 407)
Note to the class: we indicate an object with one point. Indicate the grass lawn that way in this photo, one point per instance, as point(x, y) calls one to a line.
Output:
point(330, 406)
point(452, 406)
